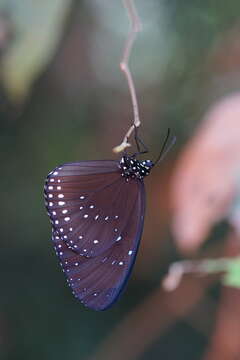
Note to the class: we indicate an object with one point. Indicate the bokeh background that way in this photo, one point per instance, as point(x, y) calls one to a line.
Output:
point(64, 99)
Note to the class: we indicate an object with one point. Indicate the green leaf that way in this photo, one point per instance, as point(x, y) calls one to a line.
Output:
point(37, 27)
point(232, 275)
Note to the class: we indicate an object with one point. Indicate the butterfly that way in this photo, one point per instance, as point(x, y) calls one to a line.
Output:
point(97, 210)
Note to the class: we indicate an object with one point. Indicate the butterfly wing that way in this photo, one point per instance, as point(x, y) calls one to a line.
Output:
point(96, 251)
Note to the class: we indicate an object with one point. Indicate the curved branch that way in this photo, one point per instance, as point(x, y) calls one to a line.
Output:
point(135, 24)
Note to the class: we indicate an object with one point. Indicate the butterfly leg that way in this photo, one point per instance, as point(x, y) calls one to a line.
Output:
point(138, 142)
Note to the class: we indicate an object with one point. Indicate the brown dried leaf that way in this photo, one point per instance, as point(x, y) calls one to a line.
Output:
point(206, 176)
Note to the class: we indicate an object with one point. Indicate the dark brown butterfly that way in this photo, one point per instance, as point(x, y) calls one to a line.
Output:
point(97, 213)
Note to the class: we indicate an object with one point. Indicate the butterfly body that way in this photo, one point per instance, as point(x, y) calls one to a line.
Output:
point(97, 209)
point(134, 168)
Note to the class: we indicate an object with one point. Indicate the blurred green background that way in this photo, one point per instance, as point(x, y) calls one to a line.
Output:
point(63, 99)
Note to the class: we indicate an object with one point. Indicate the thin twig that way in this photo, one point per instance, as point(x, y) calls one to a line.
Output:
point(206, 266)
point(135, 24)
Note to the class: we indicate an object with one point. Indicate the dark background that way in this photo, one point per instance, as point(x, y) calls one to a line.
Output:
point(72, 103)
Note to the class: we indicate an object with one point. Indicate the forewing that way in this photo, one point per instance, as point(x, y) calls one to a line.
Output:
point(99, 280)
point(88, 204)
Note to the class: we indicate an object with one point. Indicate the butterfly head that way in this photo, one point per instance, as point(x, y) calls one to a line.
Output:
point(133, 168)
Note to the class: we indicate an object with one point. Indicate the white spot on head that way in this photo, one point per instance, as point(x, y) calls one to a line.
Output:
point(130, 252)
point(95, 241)
point(81, 207)
point(120, 263)
point(85, 250)
point(51, 180)
point(56, 222)
point(96, 217)
point(116, 216)
point(85, 216)
point(91, 206)
point(119, 238)
point(61, 229)
point(50, 204)
point(59, 181)
point(60, 196)
point(61, 203)
point(70, 229)
point(106, 218)
point(54, 213)
point(67, 218)
point(75, 246)
point(95, 294)
point(59, 187)
point(82, 197)
point(80, 237)
point(76, 264)
point(64, 211)
point(50, 195)
point(116, 230)
point(65, 237)
point(50, 188)
point(55, 173)
point(61, 253)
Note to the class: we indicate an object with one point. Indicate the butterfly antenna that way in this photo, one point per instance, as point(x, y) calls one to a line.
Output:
point(165, 150)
